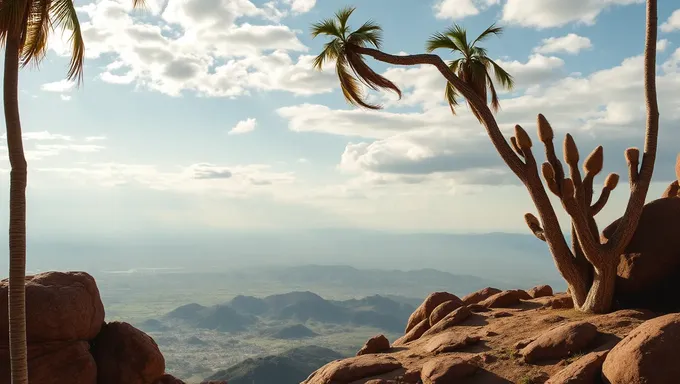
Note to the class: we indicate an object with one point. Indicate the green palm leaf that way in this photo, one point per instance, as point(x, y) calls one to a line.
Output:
point(473, 66)
point(350, 67)
point(64, 14)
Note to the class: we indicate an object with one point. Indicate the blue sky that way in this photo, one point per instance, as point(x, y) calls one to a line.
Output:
point(150, 144)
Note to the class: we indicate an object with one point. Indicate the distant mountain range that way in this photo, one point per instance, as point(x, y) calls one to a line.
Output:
point(294, 307)
point(505, 257)
point(290, 367)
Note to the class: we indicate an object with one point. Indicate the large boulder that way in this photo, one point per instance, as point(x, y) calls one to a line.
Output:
point(55, 363)
point(649, 354)
point(649, 269)
point(126, 355)
point(560, 342)
point(354, 368)
point(481, 295)
point(425, 309)
point(60, 306)
point(375, 344)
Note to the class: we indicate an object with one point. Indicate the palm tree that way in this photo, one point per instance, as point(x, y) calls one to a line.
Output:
point(340, 49)
point(24, 29)
point(592, 286)
point(473, 66)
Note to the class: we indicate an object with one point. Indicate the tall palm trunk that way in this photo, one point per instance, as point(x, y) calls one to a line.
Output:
point(17, 215)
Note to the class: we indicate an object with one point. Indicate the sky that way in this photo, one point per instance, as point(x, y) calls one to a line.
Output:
point(206, 116)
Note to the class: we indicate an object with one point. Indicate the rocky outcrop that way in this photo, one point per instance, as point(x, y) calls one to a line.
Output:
point(126, 355)
point(540, 291)
point(649, 354)
point(444, 309)
point(586, 370)
point(560, 342)
point(528, 342)
point(60, 306)
point(649, 269)
point(355, 368)
point(69, 342)
point(425, 309)
point(375, 344)
point(446, 370)
point(506, 299)
point(481, 295)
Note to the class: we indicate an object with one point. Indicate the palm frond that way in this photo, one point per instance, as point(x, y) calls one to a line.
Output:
point(37, 30)
point(12, 18)
point(64, 14)
point(351, 88)
point(343, 16)
point(139, 3)
point(440, 41)
point(478, 52)
point(370, 33)
point(326, 27)
point(503, 77)
point(458, 35)
point(495, 102)
point(492, 30)
point(331, 51)
point(367, 75)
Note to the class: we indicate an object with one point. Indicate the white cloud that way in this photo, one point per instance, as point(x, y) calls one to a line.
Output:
point(556, 13)
point(571, 43)
point(673, 22)
point(204, 48)
point(243, 126)
point(662, 44)
point(58, 86)
point(199, 178)
point(605, 107)
point(458, 9)
point(95, 138)
point(65, 97)
point(301, 6)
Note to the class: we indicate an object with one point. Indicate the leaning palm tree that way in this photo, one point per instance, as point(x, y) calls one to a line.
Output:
point(473, 66)
point(590, 268)
point(24, 29)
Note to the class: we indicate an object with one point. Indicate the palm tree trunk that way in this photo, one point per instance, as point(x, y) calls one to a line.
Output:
point(17, 215)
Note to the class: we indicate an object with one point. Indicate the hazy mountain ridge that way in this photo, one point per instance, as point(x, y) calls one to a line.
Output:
point(244, 311)
point(289, 367)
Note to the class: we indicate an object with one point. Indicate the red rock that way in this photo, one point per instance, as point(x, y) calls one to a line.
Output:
point(414, 333)
point(354, 368)
point(454, 318)
point(649, 354)
point(540, 291)
point(60, 306)
point(449, 342)
point(560, 342)
point(506, 299)
point(375, 344)
point(481, 295)
point(425, 309)
point(55, 363)
point(649, 269)
point(126, 355)
point(586, 370)
point(446, 370)
point(444, 309)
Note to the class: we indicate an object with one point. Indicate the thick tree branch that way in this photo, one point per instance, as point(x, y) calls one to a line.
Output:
point(628, 224)
point(511, 159)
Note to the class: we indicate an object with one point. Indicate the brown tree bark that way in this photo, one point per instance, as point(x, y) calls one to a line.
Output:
point(17, 215)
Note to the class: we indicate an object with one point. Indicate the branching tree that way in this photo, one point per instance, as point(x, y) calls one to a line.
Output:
point(24, 29)
point(590, 267)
